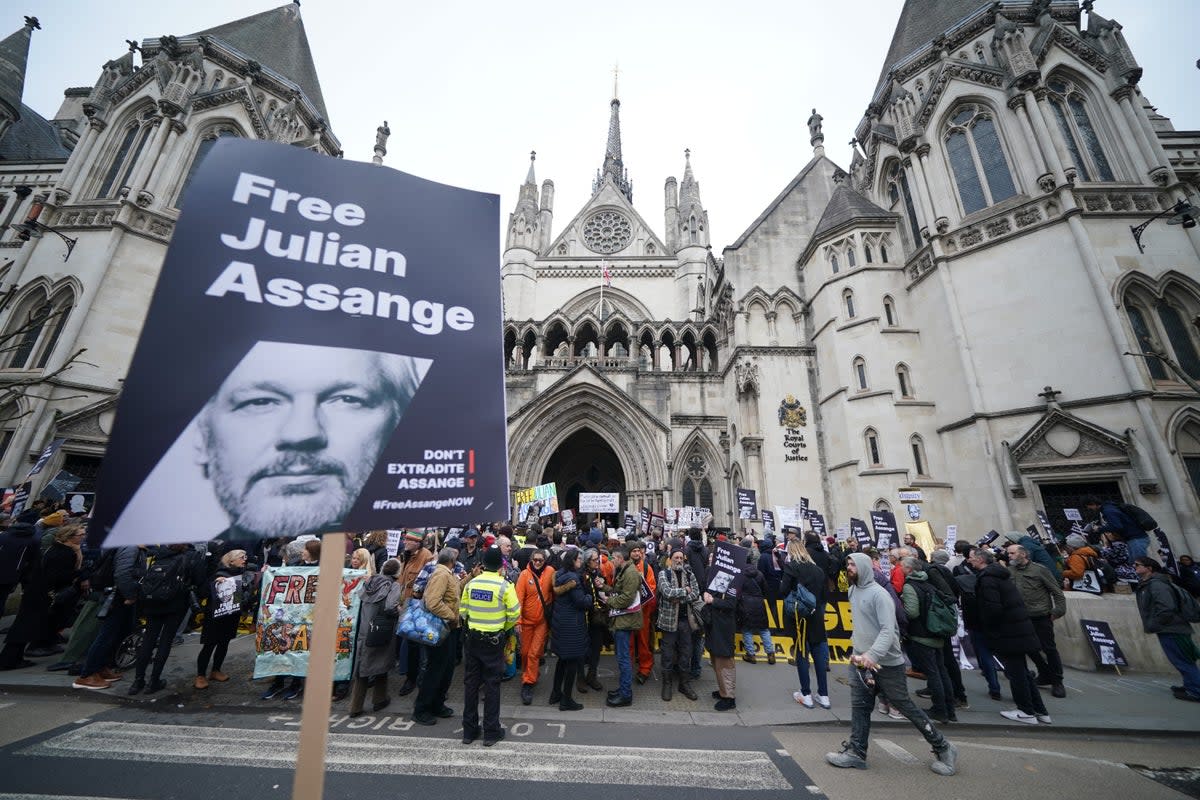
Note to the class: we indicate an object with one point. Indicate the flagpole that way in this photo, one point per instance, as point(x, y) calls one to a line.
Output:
point(603, 266)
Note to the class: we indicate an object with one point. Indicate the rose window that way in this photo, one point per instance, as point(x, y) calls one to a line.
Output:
point(607, 232)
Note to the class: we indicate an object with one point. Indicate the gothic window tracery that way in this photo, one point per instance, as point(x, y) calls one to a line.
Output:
point(607, 232)
point(133, 140)
point(36, 326)
point(902, 202)
point(207, 140)
point(1159, 323)
point(1070, 107)
point(977, 160)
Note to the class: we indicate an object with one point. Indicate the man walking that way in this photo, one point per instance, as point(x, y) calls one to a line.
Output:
point(877, 667)
point(1045, 602)
point(1161, 606)
point(490, 611)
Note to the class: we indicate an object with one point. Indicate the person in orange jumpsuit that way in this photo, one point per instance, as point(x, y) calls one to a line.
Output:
point(644, 641)
point(535, 593)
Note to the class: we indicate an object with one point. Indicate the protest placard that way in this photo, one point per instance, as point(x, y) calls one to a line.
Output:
point(747, 503)
point(1103, 644)
point(727, 572)
point(599, 502)
point(338, 296)
point(285, 621)
point(536, 502)
point(768, 520)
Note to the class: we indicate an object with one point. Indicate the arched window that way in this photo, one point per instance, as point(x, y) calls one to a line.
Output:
point(904, 380)
point(883, 252)
point(833, 263)
point(882, 505)
point(920, 462)
point(706, 494)
point(850, 259)
point(35, 329)
point(206, 143)
point(848, 300)
point(133, 140)
point(1161, 325)
point(871, 443)
point(688, 495)
point(889, 310)
point(860, 373)
point(1078, 132)
point(902, 202)
point(977, 160)
point(1145, 340)
point(867, 252)
point(1187, 444)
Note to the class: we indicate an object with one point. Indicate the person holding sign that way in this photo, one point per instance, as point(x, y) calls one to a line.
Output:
point(229, 589)
point(1161, 606)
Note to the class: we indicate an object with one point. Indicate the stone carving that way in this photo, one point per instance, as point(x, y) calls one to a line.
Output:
point(942, 224)
point(381, 137)
point(971, 237)
point(1046, 182)
point(1028, 216)
point(814, 129)
point(791, 413)
point(998, 228)
point(607, 232)
point(746, 377)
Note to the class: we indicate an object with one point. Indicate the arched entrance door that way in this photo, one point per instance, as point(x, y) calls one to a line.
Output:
point(585, 462)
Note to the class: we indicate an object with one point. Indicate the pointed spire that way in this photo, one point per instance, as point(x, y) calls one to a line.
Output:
point(689, 190)
point(530, 180)
point(614, 166)
point(14, 57)
point(692, 218)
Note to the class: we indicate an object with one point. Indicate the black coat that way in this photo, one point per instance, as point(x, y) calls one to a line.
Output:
point(194, 574)
point(823, 560)
point(697, 558)
point(1003, 617)
point(813, 579)
point(722, 627)
point(769, 569)
point(19, 554)
point(752, 612)
point(569, 625)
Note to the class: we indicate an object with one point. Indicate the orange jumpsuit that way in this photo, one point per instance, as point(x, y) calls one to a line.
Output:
point(644, 640)
point(532, 626)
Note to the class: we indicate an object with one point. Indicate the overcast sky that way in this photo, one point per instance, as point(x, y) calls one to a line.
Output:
point(469, 88)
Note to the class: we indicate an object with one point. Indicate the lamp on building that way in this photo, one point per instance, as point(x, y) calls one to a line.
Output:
point(32, 229)
point(1182, 213)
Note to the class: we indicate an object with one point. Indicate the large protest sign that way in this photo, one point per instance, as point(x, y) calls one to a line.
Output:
point(747, 504)
point(44, 458)
point(727, 572)
point(818, 523)
point(789, 517)
point(884, 525)
point(768, 520)
point(285, 621)
point(62, 483)
point(332, 357)
point(858, 529)
point(1164, 552)
point(1104, 645)
point(644, 521)
point(536, 502)
point(1048, 531)
point(599, 502)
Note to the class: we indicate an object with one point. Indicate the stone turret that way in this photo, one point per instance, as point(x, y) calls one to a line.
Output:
point(14, 55)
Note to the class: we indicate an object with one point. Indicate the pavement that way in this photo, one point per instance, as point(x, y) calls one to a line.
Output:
point(1096, 702)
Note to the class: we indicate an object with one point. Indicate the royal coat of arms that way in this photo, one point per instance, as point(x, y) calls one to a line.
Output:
point(792, 414)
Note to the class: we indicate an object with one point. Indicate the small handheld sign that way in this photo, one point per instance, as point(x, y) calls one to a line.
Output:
point(1104, 645)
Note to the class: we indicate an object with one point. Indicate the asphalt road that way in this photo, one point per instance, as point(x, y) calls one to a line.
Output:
point(73, 748)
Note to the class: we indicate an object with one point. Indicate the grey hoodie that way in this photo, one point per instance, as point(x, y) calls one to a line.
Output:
point(874, 614)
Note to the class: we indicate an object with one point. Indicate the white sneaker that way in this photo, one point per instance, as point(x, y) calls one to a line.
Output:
point(1044, 719)
point(822, 701)
point(803, 699)
point(1017, 715)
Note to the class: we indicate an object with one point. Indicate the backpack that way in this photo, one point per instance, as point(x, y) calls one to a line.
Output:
point(939, 613)
point(799, 602)
point(163, 582)
point(1138, 515)
point(1189, 609)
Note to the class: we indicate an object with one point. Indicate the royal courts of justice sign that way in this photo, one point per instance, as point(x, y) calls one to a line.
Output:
point(322, 352)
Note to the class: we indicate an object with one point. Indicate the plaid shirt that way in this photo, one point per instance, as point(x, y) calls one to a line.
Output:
point(673, 596)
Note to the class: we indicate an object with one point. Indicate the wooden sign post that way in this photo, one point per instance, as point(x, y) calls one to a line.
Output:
point(309, 782)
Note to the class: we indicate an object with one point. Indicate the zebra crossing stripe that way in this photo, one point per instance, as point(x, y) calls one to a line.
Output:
point(897, 752)
point(396, 755)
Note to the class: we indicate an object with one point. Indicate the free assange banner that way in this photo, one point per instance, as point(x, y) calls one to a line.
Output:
point(542, 500)
point(747, 504)
point(884, 524)
point(818, 523)
point(318, 355)
point(285, 618)
point(768, 520)
point(727, 572)
point(858, 529)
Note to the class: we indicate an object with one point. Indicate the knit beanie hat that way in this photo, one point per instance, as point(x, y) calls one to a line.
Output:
point(414, 536)
point(940, 557)
point(1075, 541)
point(492, 559)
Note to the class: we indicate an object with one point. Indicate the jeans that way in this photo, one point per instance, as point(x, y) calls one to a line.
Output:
point(1137, 547)
point(889, 684)
point(929, 660)
point(987, 663)
point(160, 633)
point(113, 631)
point(820, 661)
point(764, 634)
point(439, 671)
point(1048, 662)
point(677, 649)
point(1173, 650)
point(624, 663)
point(1024, 687)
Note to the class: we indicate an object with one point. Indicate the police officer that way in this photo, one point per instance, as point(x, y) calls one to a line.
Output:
point(489, 611)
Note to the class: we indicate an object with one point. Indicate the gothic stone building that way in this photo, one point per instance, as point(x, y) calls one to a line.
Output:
point(950, 311)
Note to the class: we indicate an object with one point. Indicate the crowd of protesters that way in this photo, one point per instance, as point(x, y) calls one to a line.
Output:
point(510, 597)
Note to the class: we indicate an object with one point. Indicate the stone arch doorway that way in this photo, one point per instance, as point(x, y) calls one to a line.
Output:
point(585, 462)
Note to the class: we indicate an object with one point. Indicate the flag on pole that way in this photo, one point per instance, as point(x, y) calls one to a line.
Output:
point(606, 273)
